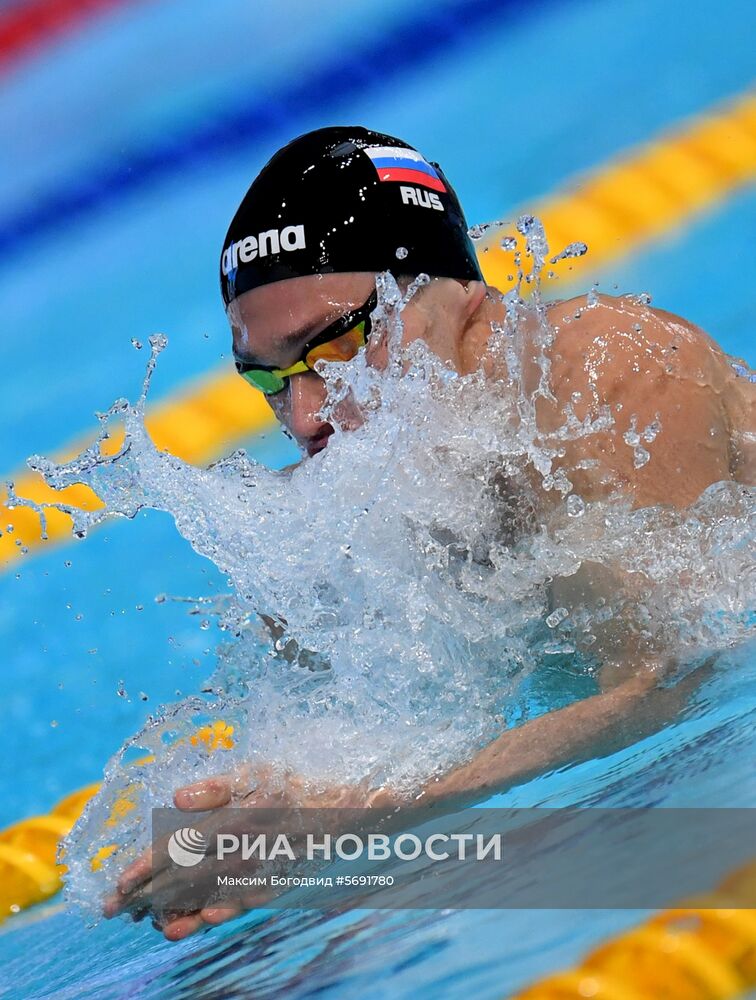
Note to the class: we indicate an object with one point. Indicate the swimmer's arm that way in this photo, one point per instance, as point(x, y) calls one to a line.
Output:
point(619, 716)
point(598, 724)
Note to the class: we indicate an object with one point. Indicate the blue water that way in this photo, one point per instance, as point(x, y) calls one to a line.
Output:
point(511, 106)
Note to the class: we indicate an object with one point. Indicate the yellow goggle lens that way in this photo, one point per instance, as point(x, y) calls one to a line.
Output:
point(343, 348)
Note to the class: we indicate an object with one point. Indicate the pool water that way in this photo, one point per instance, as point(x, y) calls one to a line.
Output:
point(505, 102)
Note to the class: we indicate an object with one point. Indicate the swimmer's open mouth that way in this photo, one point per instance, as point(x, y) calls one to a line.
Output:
point(318, 443)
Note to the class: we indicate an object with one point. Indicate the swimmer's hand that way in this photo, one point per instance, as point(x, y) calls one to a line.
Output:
point(136, 884)
point(616, 717)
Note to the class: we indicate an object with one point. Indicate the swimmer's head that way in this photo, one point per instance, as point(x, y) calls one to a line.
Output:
point(298, 269)
point(341, 200)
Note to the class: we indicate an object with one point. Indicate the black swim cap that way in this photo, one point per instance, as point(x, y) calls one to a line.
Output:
point(346, 199)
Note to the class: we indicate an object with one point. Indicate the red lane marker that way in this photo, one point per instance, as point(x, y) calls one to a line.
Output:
point(31, 24)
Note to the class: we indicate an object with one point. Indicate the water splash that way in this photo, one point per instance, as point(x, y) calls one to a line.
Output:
point(389, 599)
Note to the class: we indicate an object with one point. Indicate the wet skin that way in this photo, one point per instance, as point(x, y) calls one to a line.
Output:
point(643, 363)
point(619, 352)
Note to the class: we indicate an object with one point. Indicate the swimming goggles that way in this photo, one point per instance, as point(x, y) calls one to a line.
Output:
point(340, 341)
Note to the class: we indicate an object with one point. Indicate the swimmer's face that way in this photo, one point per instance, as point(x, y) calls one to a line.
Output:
point(272, 324)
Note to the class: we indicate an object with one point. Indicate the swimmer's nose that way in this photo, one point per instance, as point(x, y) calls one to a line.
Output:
point(307, 394)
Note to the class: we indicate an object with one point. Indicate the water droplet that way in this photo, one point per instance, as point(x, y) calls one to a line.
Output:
point(121, 690)
point(158, 342)
point(650, 432)
point(54, 723)
point(525, 223)
point(557, 616)
point(557, 481)
point(631, 437)
point(555, 648)
point(136, 343)
point(575, 505)
point(576, 249)
point(401, 253)
point(477, 231)
point(509, 243)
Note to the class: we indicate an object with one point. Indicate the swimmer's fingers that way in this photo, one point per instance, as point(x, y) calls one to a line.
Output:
point(140, 870)
point(176, 927)
point(137, 902)
point(212, 793)
point(183, 926)
point(215, 793)
point(177, 891)
point(134, 876)
point(218, 791)
point(113, 904)
point(220, 914)
point(180, 927)
point(136, 873)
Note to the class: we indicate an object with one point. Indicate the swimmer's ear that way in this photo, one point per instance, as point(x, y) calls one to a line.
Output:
point(475, 293)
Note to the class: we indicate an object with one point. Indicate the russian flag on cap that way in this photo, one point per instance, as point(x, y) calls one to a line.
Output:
point(395, 163)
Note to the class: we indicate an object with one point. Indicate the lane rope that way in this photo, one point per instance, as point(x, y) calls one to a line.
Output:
point(33, 23)
point(627, 204)
point(643, 195)
point(704, 949)
point(415, 40)
point(30, 871)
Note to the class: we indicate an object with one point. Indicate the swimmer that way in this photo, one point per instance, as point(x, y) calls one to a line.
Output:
point(328, 213)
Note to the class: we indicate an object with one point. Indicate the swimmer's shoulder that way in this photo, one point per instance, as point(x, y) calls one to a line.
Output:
point(622, 336)
point(662, 379)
